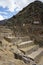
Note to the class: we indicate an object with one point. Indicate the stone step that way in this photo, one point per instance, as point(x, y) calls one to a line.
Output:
point(36, 55)
point(25, 44)
point(29, 50)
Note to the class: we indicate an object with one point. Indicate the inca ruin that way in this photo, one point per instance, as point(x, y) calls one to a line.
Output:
point(21, 37)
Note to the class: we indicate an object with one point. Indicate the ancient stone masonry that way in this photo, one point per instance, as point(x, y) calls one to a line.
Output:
point(23, 52)
point(21, 37)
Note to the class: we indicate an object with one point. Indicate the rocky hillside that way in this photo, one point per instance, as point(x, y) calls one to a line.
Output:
point(28, 22)
point(33, 12)
point(19, 35)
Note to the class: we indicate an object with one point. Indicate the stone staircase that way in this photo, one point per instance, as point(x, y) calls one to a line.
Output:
point(32, 51)
point(28, 50)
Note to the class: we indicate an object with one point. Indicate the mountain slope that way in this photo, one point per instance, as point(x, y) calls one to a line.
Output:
point(33, 12)
point(28, 22)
